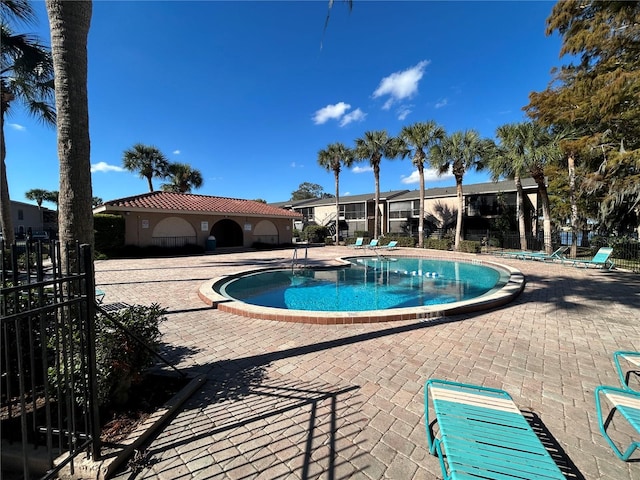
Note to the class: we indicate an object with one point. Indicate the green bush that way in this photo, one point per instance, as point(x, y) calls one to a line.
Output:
point(361, 233)
point(470, 246)
point(121, 360)
point(438, 243)
point(315, 233)
point(403, 240)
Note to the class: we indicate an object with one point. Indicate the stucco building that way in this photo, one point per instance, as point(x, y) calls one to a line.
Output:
point(170, 219)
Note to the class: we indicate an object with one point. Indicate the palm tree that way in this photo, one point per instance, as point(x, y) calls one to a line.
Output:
point(374, 146)
point(542, 150)
point(510, 161)
point(460, 152)
point(148, 161)
point(182, 178)
point(69, 23)
point(332, 159)
point(37, 195)
point(421, 137)
point(26, 75)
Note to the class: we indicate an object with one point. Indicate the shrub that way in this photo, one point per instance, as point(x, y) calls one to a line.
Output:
point(315, 233)
point(438, 243)
point(121, 360)
point(469, 246)
point(403, 240)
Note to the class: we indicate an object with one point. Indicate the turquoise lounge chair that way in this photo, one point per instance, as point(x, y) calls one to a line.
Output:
point(599, 260)
point(390, 246)
point(557, 254)
point(483, 434)
point(627, 404)
point(373, 243)
point(358, 243)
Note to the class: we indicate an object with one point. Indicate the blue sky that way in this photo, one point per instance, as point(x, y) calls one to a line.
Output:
point(249, 92)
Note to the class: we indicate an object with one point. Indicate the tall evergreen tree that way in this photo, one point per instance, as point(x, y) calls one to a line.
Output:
point(597, 94)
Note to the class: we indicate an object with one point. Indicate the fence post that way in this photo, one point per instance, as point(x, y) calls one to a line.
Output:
point(90, 328)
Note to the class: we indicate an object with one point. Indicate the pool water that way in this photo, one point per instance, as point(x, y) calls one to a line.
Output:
point(369, 283)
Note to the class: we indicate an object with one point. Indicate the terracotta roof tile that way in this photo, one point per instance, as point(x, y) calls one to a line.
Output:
point(187, 202)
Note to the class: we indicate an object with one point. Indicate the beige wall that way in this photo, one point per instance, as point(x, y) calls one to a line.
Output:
point(440, 208)
point(140, 228)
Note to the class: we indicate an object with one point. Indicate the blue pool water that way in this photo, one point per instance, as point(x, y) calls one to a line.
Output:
point(368, 284)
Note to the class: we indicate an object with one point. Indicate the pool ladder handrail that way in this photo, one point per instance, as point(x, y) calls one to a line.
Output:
point(295, 258)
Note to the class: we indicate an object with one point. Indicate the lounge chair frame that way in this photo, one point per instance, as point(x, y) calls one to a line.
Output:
point(627, 403)
point(629, 357)
point(483, 434)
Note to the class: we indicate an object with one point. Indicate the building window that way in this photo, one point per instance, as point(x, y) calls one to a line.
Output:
point(354, 211)
point(407, 209)
point(20, 215)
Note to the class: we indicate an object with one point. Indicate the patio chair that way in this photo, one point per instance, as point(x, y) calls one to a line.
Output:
point(373, 243)
point(390, 246)
point(632, 358)
point(483, 434)
point(358, 243)
point(599, 260)
point(99, 296)
point(627, 404)
point(557, 254)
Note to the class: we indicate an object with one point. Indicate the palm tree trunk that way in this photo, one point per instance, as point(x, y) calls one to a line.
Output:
point(546, 217)
point(460, 195)
point(5, 200)
point(574, 207)
point(337, 175)
point(421, 219)
point(376, 221)
point(69, 23)
point(522, 229)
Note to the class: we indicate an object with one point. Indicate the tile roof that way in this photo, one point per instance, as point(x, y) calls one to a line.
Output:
point(190, 203)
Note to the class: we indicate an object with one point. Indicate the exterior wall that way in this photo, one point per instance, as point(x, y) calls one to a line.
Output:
point(25, 216)
point(146, 229)
point(325, 214)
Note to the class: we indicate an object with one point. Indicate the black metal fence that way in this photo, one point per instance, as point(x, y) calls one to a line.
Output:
point(48, 405)
point(626, 251)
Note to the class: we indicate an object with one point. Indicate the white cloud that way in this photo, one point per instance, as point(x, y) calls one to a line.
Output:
point(404, 111)
point(296, 165)
point(356, 116)
point(176, 152)
point(105, 167)
point(330, 112)
point(442, 103)
point(17, 126)
point(401, 85)
point(359, 169)
point(430, 175)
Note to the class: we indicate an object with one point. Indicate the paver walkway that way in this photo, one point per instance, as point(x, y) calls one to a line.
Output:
point(304, 401)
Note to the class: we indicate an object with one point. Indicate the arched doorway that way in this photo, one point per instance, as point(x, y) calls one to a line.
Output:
point(228, 234)
point(173, 232)
point(266, 232)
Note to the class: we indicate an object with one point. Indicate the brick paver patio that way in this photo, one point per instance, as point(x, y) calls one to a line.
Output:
point(303, 401)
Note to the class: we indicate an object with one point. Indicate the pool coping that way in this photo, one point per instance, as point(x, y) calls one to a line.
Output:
point(493, 299)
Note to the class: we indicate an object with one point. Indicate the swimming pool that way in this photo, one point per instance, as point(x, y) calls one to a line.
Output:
point(367, 289)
